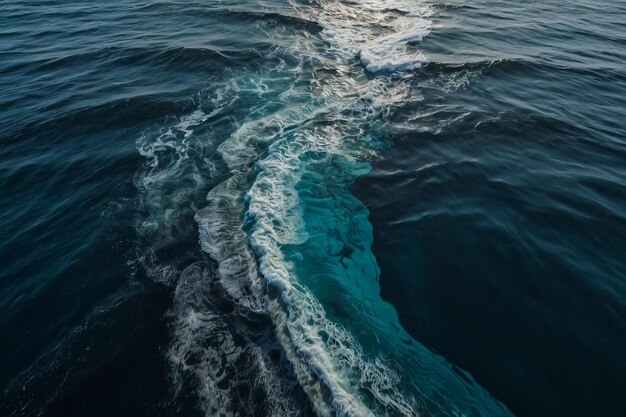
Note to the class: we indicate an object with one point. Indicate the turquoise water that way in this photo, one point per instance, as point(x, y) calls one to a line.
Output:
point(325, 208)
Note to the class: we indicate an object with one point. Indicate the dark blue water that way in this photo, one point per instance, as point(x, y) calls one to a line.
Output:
point(312, 208)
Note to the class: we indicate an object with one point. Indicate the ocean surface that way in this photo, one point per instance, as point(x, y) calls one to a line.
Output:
point(313, 207)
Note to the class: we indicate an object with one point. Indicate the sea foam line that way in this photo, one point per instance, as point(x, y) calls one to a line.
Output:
point(329, 366)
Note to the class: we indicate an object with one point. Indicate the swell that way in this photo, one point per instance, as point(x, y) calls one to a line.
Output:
point(96, 102)
point(238, 13)
point(274, 18)
point(99, 116)
point(508, 66)
point(158, 57)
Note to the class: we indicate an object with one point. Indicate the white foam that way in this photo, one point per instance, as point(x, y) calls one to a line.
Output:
point(220, 222)
point(205, 348)
point(383, 35)
point(202, 344)
point(222, 237)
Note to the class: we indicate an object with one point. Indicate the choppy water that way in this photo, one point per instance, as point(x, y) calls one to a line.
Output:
point(355, 208)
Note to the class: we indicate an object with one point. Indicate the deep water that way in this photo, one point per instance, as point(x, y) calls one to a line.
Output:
point(333, 208)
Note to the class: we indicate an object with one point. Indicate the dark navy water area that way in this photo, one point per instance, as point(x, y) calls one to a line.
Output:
point(331, 208)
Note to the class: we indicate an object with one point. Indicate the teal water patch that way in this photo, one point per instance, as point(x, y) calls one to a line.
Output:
point(335, 262)
point(336, 265)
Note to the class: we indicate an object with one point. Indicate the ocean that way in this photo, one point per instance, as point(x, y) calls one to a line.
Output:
point(312, 208)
